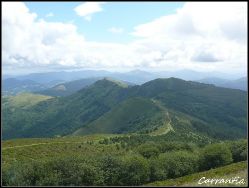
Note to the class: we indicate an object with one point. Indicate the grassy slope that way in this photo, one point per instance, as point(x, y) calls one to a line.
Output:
point(24, 100)
point(40, 149)
point(140, 115)
point(131, 115)
point(230, 171)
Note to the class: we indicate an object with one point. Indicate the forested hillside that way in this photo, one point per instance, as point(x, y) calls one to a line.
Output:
point(156, 107)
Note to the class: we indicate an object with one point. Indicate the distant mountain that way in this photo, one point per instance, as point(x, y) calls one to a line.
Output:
point(155, 107)
point(54, 82)
point(12, 86)
point(194, 75)
point(234, 84)
point(134, 76)
point(68, 88)
point(237, 84)
point(213, 80)
point(63, 75)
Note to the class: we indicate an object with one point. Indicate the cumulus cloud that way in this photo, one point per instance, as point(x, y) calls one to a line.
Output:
point(87, 9)
point(200, 32)
point(196, 33)
point(116, 30)
point(36, 42)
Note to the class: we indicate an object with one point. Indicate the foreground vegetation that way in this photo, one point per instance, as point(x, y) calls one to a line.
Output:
point(112, 160)
point(227, 172)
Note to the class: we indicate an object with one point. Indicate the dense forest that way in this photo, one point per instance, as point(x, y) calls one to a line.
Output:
point(115, 160)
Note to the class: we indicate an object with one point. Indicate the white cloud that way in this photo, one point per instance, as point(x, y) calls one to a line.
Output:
point(116, 30)
point(87, 9)
point(200, 32)
point(183, 40)
point(30, 42)
point(50, 14)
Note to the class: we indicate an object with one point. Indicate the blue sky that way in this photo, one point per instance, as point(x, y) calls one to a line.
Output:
point(124, 15)
point(123, 36)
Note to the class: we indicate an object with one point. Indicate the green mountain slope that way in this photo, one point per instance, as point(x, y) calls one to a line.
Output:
point(156, 107)
point(223, 109)
point(142, 115)
point(61, 116)
point(16, 108)
point(186, 106)
point(135, 114)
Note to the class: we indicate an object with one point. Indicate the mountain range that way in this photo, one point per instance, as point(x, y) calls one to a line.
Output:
point(12, 86)
point(240, 83)
point(156, 107)
point(64, 83)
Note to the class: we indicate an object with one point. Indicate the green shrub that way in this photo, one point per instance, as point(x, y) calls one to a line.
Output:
point(239, 150)
point(215, 155)
point(111, 167)
point(157, 170)
point(176, 146)
point(179, 163)
point(134, 171)
point(148, 150)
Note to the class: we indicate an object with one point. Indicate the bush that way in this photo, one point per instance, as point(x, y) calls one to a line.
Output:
point(33, 173)
point(178, 163)
point(176, 146)
point(148, 150)
point(111, 167)
point(134, 170)
point(215, 155)
point(64, 171)
point(76, 171)
point(157, 170)
point(239, 150)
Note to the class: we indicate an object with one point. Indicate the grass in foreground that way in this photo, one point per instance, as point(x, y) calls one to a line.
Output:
point(227, 172)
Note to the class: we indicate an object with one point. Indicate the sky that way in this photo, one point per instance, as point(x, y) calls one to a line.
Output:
point(123, 36)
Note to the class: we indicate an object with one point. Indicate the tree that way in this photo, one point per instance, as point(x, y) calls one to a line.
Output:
point(157, 170)
point(111, 167)
point(239, 150)
point(215, 155)
point(134, 171)
point(148, 150)
point(179, 163)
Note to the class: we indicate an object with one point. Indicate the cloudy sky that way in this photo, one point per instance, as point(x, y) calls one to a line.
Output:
point(122, 36)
